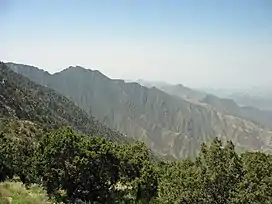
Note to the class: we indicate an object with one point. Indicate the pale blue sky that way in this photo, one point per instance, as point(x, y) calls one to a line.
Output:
point(200, 43)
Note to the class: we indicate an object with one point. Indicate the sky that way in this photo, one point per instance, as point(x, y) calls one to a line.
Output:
point(211, 44)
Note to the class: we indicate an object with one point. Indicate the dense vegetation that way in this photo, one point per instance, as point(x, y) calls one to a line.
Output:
point(72, 166)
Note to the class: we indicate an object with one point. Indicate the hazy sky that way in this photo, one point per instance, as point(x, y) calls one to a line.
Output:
point(204, 43)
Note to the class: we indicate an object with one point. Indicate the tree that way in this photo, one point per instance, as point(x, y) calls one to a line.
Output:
point(18, 141)
point(138, 175)
point(212, 178)
point(256, 185)
point(220, 171)
point(178, 182)
point(84, 167)
point(7, 168)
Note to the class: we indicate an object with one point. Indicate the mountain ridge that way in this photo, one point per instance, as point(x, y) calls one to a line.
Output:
point(25, 100)
point(167, 124)
point(224, 105)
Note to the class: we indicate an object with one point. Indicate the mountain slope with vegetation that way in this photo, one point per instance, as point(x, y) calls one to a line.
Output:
point(167, 124)
point(22, 99)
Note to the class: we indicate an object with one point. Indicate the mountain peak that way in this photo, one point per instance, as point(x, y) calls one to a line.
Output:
point(80, 68)
point(73, 68)
point(180, 85)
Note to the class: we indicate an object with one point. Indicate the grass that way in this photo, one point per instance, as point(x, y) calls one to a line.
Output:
point(17, 193)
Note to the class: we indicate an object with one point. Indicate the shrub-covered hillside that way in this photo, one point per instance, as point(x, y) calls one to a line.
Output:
point(72, 167)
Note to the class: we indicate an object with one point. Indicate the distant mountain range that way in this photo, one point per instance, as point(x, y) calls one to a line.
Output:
point(170, 120)
point(176, 90)
point(261, 102)
point(260, 98)
point(224, 105)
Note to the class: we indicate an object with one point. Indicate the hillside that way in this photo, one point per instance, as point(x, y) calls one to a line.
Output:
point(22, 99)
point(167, 124)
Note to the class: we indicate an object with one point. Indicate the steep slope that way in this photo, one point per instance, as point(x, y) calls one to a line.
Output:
point(22, 99)
point(167, 124)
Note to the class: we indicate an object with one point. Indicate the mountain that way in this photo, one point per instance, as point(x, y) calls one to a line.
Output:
point(263, 102)
point(260, 98)
point(228, 106)
point(150, 84)
point(167, 124)
point(224, 105)
point(178, 90)
point(24, 100)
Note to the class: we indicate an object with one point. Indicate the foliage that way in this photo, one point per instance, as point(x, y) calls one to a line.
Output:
point(219, 175)
point(256, 185)
point(177, 182)
point(83, 167)
point(6, 158)
point(137, 172)
point(220, 171)
point(91, 168)
point(72, 166)
point(17, 142)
